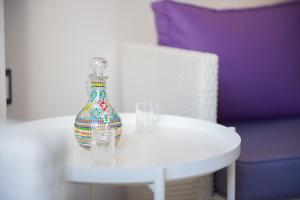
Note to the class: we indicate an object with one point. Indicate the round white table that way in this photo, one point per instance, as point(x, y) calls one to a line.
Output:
point(181, 148)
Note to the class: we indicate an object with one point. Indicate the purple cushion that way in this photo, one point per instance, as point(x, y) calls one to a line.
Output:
point(259, 50)
point(268, 167)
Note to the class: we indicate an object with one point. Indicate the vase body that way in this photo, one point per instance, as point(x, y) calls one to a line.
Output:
point(97, 113)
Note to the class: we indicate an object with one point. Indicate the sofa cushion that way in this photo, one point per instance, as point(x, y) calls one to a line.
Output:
point(269, 165)
point(269, 140)
point(259, 54)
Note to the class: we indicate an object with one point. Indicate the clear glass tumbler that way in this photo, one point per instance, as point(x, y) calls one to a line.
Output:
point(147, 117)
point(103, 147)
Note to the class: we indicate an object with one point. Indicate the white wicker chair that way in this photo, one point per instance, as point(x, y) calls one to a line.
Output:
point(183, 83)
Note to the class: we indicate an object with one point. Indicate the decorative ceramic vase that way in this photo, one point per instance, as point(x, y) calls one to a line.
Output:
point(98, 112)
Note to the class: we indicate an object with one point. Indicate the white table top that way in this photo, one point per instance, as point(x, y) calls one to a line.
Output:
point(184, 147)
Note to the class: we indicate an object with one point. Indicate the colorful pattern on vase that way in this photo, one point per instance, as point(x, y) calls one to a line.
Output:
point(98, 112)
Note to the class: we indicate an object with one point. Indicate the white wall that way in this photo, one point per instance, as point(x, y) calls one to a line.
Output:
point(49, 44)
point(2, 65)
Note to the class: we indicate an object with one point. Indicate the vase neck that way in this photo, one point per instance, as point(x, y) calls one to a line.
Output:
point(98, 91)
point(98, 84)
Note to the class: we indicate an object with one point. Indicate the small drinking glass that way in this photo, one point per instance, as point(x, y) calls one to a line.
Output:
point(103, 147)
point(147, 117)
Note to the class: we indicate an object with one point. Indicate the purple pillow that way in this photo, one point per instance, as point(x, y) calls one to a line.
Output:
point(259, 51)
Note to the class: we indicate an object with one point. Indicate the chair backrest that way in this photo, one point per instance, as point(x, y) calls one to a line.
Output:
point(182, 82)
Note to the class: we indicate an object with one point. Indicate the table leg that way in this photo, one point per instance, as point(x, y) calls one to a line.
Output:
point(159, 185)
point(92, 192)
point(231, 182)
